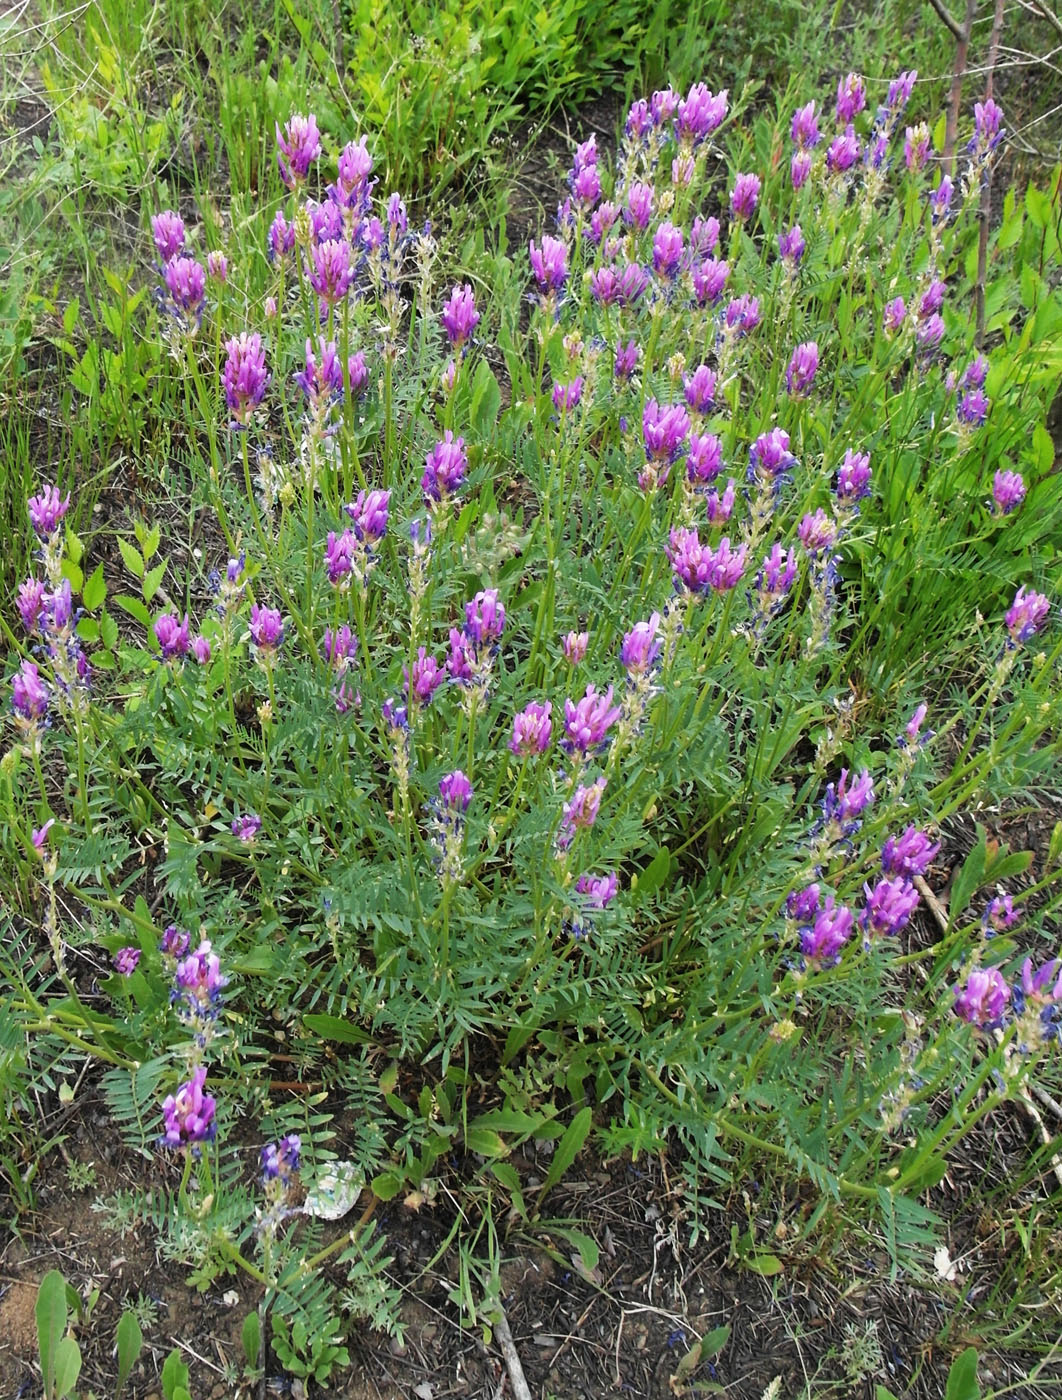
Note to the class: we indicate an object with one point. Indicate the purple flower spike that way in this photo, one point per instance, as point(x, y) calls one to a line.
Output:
point(1026, 615)
point(627, 359)
point(188, 1115)
point(339, 556)
point(641, 647)
point(581, 812)
point(1000, 914)
point(804, 129)
point(428, 676)
point(983, 999)
point(455, 792)
point(791, 246)
point(709, 280)
point(331, 271)
point(1008, 491)
point(171, 633)
point(800, 169)
point(244, 377)
point(460, 317)
point(916, 147)
point(29, 694)
point(668, 247)
point(742, 315)
point(549, 264)
point(701, 113)
point(200, 649)
point(823, 940)
point(281, 237)
point(575, 644)
point(266, 627)
point(910, 854)
point(664, 430)
point(817, 532)
point(279, 1161)
point(851, 98)
point(803, 367)
point(770, 457)
point(485, 617)
point(532, 730)
point(889, 906)
point(568, 396)
point(247, 827)
point(217, 265)
point(39, 837)
point(699, 568)
point(640, 204)
point(704, 461)
point(745, 196)
point(322, 378)
point(298, 146)
point(776, 576)
point(600, 890)
point(31, 603)
point(46, 511)
point(720, 508)
point(340, 647)
point(587, 722)
point(803, 905)
point(174, 942)
point(853, 477)
point(357, 372)
point(972, 408)
point(167, 230)
point(699, 389)
point(125, 961)
point(186, 283)
point(894, 315)
point(843, 151)
point(845, 803)
point(369, 515)
point(929, 334)
point(461, 662)
point(445, 468)
point(988, 126)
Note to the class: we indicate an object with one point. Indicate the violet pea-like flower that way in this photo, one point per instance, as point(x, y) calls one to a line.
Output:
point(983, 999)
point(485, 617)
point(1026, 615)
point(641, 647)
point(266, 628)
point(587, 721)
point(171, 633)
point(532, 730)
point(460, 317)
point(188, 1115)
point(910, 854)
point(46, 511)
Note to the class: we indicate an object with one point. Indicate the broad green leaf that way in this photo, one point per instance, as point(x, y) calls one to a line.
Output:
point(335, 1028)
point(251, 1336)
point(67, 1367)
point(95, 589)
point(962, 1378)
point(129, 1340)
point(567, 1150)
point(968, 878)
point(152, 579)
point(50, 1312)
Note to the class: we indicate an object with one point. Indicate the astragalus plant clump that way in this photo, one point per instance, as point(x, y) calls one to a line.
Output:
point(580, 675)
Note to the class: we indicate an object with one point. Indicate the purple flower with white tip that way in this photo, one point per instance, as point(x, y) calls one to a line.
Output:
point(704, 459)
point(699, 389)
point(339, 556)
point(699, 114)
point(769, 456)
point(581, 812)
point(339, 648)
point(587, 721)
point(186, 283)
point(800, 169)
point(894, 316)
point(574, 646)
point(791, 247)
point(641, 647)
point(627, 360)
point(822, 940)
point(843, 151)
point(46, 511)
point(245, 828)
point(298, 146)
point(29, 695)
point(461, 662)
point(599, 890)
point(817, 532)
point(846, 802)
point(460, 317)
point(549, 264)
point(776, 577)
point(485, 617)
point(853, 477)
point(568, 396)
point(719, 508)
point(532, 730)
point(851, 97)
point(217, 265)
point(742, 315)
point(664, 430)
point(428, 676)
point(910, 854)
point(281, 237)
point(369, 515)
point(188, 1115)
point(745, 195)
point(455, 792)
point(174, 942)
point(125, 961)
point(279, 1161)
point(709, 280)
point(322, 378)
point(244, 377)
point(330, 271)
point(803, 905)
point(804, 128)
point(1000, 914)
point(444, 470)
point(641, 201)
point(802, 369)
point(889, 907)
point(167, 229)
point(171, 633)
point(668, 247)
point(266, 628)
point(1026, 615)
point(972, 408)
point(983, 999)
point(31, 603)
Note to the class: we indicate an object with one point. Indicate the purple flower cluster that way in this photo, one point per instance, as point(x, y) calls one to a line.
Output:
point(188, 1115)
